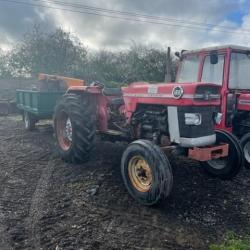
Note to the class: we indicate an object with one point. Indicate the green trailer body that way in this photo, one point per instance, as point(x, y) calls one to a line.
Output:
point(40, 104)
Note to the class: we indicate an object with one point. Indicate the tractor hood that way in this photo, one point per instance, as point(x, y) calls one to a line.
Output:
point(176, 94)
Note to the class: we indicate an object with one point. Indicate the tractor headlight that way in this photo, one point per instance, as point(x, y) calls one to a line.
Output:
point(192, 119)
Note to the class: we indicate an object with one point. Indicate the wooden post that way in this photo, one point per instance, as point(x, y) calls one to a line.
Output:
point(168, 66)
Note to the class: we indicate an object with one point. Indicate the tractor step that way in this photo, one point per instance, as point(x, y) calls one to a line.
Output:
point(113, 132)
point(208, 153)
point(112, 135)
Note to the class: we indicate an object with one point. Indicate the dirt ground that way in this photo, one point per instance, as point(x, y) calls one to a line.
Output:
point(48, 204)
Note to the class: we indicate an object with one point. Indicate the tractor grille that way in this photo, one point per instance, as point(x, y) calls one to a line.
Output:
point(193, 131)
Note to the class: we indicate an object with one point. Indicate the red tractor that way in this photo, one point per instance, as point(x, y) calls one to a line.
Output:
point(229, 68)
point(154, 118)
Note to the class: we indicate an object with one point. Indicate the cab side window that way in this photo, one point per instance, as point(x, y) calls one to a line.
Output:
point(239, 71)
point(213, 73)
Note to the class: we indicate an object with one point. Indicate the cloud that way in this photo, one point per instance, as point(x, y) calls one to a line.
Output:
point(16, 19)
point(103, 32)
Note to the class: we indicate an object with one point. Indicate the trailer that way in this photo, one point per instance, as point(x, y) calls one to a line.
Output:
point(38, 103)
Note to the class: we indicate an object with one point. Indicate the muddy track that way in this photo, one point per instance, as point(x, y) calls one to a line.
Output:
point(48, 204)
point(23, 187)
point(36, 206)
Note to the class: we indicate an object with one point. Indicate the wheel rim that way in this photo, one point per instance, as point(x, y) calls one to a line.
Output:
point(246, 150)
point(26, 120)
point(140, 173)
point(64, 131)
point(218, 163)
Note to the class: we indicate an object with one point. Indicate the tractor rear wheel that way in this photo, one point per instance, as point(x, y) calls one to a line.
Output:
point(75, 127)
point(29, 121)
point(146, 172)
point(227, 167)
point(245, 143)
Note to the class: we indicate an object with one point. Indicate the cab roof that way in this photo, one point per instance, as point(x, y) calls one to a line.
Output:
point(234, 47)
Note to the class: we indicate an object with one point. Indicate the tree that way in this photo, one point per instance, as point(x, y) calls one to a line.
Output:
point(61, 53)
point(5, 71)
point(139, 63)
point(53, 53)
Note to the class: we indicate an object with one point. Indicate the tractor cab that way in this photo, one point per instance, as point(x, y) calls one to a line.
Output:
point(229, 67)
point(226, 66)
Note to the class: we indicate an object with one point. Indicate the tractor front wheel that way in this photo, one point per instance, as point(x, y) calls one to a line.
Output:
point(245, 143)
point(227, 167)
point(75, 127)
point(146, 172)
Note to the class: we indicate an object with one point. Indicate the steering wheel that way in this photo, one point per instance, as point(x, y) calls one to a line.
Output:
point(97, 84)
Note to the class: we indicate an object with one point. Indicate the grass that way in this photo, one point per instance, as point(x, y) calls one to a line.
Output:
point(233, 243)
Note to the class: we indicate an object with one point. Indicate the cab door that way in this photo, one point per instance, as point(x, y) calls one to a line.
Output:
point(215, 71)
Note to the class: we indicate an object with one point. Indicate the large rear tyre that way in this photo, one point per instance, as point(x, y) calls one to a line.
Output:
point(245, 143)
point(227, 167)
point(75, 127)
point(29, 121)
point(146, 172)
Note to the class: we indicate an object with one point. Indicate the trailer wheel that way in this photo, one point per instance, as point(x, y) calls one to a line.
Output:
point(245, 143)
point(146, 172)
point(29, 121)
point(227, 167)
point(75, 127)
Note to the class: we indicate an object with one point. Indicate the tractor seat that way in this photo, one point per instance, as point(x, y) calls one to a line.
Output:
point(112, 91)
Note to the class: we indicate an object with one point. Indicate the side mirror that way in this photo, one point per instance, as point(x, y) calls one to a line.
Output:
point(214, 57)
point(177, 54)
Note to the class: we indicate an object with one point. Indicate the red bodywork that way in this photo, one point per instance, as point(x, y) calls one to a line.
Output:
point(144, 93)
point(161, 94)
point(208, 153)
point(243, 101)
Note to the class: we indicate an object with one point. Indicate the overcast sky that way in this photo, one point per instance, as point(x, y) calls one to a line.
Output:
point(104, 32)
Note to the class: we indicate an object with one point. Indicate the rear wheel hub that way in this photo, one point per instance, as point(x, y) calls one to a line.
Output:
point(64, 131)
point(68, 130)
